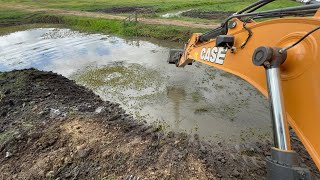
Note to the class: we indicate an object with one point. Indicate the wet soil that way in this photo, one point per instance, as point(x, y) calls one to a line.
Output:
point(127, 9)
point(218, 15)
point(52, 128)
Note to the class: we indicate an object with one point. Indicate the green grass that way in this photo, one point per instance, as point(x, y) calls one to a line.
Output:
point(98, 25)
point(11, 17)
point(7, 15)
point(182, 18)
point(232, 5)
point(163, 32)
point(7, 136)
point(157, 5)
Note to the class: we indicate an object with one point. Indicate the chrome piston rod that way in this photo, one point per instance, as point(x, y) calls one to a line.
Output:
point(277, 108)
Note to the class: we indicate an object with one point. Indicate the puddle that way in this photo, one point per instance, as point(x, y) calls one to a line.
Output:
point(174, 14)
point(196, 99)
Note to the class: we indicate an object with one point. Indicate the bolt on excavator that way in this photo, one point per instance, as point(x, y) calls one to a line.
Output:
point(279, 55)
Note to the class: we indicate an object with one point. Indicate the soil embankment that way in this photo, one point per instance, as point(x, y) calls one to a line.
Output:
point(52, 128)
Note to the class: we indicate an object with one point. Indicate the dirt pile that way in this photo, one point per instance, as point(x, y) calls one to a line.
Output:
point(52, 128)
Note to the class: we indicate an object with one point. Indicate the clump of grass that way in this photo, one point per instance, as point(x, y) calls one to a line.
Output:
point(7, 15)
point(93, 24)
point(196, 96)
point(7, 136)
point(201, 110)
point(226, 75)
point(172, 33)
point(160, 125)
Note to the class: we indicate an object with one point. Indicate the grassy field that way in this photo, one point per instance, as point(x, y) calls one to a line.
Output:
point(171, 33)
point(90, 24)
point(158, 5)
point(10, 16)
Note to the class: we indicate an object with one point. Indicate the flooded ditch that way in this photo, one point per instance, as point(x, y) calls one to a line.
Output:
point(196, 99)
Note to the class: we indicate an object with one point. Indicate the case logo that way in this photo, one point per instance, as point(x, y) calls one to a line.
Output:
point(214, 55)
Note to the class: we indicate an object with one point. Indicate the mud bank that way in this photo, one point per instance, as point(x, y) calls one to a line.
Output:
point(52, 128)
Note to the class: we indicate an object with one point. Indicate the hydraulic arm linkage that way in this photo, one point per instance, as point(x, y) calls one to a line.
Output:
point(281, 58)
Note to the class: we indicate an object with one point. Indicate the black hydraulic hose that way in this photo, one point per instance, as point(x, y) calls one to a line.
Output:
point(223, 29)
point(301, 39)
point(312, 7)
point(290, 9)
point(259, 6)
point(212, 34)
point(254, 5)
point(299, 13)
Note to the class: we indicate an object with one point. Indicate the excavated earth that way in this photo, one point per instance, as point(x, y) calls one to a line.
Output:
point(51, 128)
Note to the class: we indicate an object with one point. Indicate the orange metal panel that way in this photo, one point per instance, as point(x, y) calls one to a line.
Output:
point(300, 73)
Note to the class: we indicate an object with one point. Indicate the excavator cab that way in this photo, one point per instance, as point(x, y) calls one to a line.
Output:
point(279, 56)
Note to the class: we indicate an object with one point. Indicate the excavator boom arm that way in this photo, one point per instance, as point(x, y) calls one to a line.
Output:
point(300, 73)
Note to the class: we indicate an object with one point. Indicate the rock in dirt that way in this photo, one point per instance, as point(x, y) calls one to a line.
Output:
point(235, 173)
point(83, 153)
point(100, 109)
point(54, 113)
point(50, 175)
point(8, 154)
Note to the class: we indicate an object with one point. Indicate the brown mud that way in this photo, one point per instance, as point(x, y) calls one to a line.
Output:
point(127, 9)
point(218, 15)
point(52, 128)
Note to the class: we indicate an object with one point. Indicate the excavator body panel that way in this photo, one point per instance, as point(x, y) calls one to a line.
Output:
point(300, 73)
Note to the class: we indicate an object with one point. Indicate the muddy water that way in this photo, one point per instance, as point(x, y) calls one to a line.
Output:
point(196, 99)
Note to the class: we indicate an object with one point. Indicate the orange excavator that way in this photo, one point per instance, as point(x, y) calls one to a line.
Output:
point(280, 56)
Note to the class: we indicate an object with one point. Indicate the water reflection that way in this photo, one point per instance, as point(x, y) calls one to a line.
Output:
point(135, 74)
point(177, 96)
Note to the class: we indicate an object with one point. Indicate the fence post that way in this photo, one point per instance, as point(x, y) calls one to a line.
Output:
point(136, 16)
